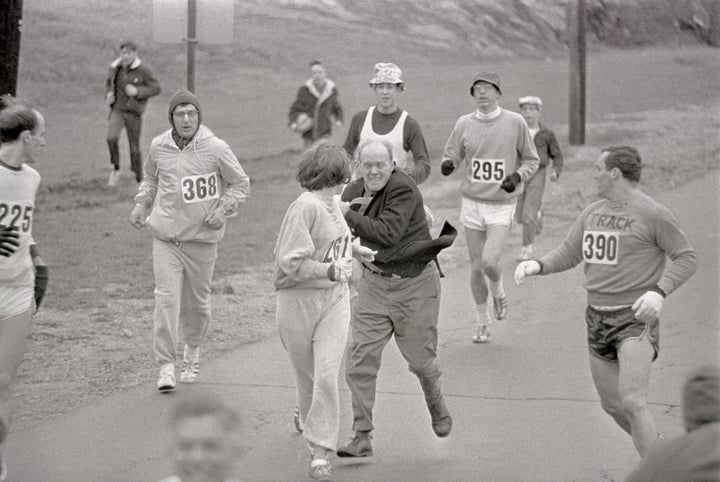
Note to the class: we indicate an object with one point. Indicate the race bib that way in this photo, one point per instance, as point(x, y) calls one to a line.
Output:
point(196, 189)
point(339, 248)
point(16, 216)
point(601, 247)
point(488, 170)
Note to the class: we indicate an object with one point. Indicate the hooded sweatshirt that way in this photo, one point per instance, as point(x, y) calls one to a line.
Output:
point(185, 183)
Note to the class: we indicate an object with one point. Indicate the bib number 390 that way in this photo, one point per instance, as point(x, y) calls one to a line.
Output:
point(601, 247)
point(488, 170)
point(200, 188)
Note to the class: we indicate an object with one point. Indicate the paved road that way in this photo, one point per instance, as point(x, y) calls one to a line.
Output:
point(524, 405)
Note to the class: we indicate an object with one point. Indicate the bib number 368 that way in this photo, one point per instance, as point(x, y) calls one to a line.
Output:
point(488, 170)
point(601, 247)
point(200, 188)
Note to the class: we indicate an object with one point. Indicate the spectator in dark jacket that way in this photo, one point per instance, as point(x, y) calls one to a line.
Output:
point(128, 87)
point(317, 107)
point(529, 203)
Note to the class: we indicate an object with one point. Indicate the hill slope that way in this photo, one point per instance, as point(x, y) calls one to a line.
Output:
point(66, 44)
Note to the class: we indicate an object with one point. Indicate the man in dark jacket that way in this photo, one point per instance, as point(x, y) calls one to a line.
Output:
point(128, 87)
point(316, 107)
point(528, 212)
point(399, 293)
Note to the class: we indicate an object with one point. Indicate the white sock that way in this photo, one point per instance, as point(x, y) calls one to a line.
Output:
point(497, 290)
point(483, 315)
point(191, 353)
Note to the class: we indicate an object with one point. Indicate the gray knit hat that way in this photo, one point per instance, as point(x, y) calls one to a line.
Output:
point(184, 96)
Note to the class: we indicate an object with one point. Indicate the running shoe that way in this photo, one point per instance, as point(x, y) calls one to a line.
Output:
point(482, 335)
point(166, 381)
point(190, 368)
point(500, 307)
point(320, 469)
point(296, 419)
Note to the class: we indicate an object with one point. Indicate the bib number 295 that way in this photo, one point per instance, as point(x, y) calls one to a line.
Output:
point(488, 170)
point(200, 188)
point(601, 247)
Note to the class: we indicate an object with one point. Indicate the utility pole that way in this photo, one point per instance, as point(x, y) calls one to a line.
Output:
point(576, 41)
point(191, 43)
point(10, 22)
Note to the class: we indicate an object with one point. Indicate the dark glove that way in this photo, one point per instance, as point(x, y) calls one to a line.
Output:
point(447, 167)
point(41, 284)
point(9, 240)
point(510, 182)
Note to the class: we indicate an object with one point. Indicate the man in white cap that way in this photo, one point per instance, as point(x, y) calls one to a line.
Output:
point(495, 153)
point(548, 149)
point(386, 121)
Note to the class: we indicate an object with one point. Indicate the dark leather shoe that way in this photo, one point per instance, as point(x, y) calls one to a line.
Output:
point(360, 446)
point(440, 415)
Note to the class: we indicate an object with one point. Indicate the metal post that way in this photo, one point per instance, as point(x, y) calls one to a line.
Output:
point(576, 39)
point(191, 42)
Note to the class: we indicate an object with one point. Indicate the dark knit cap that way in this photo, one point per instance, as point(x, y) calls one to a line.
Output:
point(184, 96)
point(701, 397)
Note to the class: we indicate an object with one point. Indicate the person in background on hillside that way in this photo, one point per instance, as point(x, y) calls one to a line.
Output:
point(23, 273)
point(529, 202)
point(205, 445)
point(695, 455)
point(624, 240)
point(193, 182)
point(128, 87)
point(317, 106)
point(312, 267)
point(399, 294)
point(495, 154)
point(386, 121)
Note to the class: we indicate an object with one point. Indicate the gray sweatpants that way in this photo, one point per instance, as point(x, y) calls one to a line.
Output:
point(313, 326)
point(183, 273)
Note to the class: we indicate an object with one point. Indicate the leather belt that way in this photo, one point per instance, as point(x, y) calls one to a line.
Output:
point(384, 274)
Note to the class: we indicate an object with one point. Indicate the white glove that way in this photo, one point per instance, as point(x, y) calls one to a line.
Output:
point(131, 90)
point(526, 268)
point(363, 253)
point(647, 308)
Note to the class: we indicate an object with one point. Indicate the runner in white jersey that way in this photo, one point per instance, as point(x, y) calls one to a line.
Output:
point(623, 240)
point(23, 274)
point(386, 121)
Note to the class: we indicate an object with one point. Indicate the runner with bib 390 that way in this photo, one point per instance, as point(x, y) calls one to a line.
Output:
point(493, 149)
point(624, 240)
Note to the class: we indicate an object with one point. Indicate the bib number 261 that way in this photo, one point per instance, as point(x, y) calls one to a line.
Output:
point(488, 170)
point(601, 247)
point(200, 188)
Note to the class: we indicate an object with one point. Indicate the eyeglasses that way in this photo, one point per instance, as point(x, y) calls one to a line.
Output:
point(192, 114)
